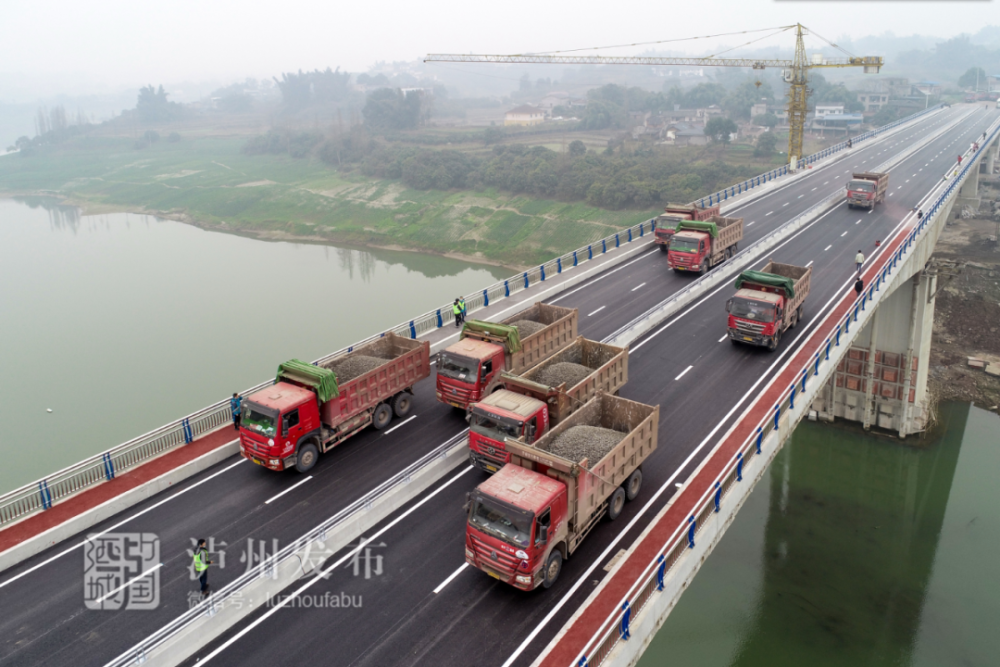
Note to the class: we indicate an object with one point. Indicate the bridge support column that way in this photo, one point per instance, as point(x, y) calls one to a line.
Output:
point(968, 194)
point(882, 381)
point(991, 157)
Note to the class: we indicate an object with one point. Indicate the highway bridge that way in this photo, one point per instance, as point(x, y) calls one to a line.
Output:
point(421, 604)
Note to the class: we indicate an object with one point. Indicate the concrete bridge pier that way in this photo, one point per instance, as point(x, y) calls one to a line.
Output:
point(989, 162)
point(968, 194)
point(882, 381)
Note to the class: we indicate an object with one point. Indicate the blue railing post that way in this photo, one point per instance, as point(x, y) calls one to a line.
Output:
point(660, 571)
point(413, 330)
point(590, 252)
point(626, 617)
point(604, 246)
point(186, 426)
point(791, 404)
point(541, 270)
point(109, 467)
point(558, 264)
point(838, 334)
point(574, 258)
point(739, 467)
point(827, 350)
point(718, 496)
point(816, 366)
point(760, 437)
point(629, 234)
point(617, 240)
point(486, 298)
point(583, 662)
point(440, 322)
point(777, 412)
point(526, 284)
point(805, 374)
point(43, 491)
point(506, 288)
point(692, 526)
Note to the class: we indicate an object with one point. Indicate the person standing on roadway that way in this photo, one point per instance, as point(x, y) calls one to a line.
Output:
point(859, 260)
point(859, 286)
point(235, 404)
point(456, 310)
point(461, 304)
point(201, 564)
point(960, 159)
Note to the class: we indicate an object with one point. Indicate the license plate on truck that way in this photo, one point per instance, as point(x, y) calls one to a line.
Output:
point(491, 468)
point(749, 338)
point(258, 461)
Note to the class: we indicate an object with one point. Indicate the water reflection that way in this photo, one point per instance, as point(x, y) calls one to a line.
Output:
point(62, 217)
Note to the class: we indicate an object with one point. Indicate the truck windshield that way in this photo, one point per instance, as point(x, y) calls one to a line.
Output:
point(684, 244)
point(493, 427)
point(259, 419)
point(457, 367)
point(503, 521)
point(759, 311)
point(866, 186)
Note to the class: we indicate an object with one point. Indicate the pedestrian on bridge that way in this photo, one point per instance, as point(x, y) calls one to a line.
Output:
point(859, 260)
point(960, 159)
point(465, 312)
point(235, 406)
point(859, 286)
point(456, 310)
point(201, 563)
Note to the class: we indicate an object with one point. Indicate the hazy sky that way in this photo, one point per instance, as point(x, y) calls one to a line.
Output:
point(123, 41)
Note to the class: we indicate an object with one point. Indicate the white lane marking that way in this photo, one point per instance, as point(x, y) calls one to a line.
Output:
point(291, 488)
point(402, 423)
point(891, 193)
point(858, 222)
point(128, 583)
point(825, 182)
point(801, 196)
point(901, 187)
point(597, 311)
point(683, 372)
point(724, 338)
point(751, 222)
point(814, 189)
point(785, 204)
point(768, 213)
point(325, 573)
point(450, 577)
point(914, 176)
point(645, 508)
point(810, 263)
point(638, 286)
point(120, 523)
point(828, 247)
point(843, 235)
point(591, 282)
point(870, 210)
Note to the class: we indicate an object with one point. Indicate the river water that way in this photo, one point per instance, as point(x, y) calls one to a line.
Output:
point(120, 323)
point(855, 550)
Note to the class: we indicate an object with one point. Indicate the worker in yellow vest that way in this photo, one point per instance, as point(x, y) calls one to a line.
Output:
point(456, 310)
point(201, 563)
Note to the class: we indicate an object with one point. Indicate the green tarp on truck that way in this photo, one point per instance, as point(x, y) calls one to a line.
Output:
point(706, 227)
point(768, 279)
point(496, 330)
point(322, 380)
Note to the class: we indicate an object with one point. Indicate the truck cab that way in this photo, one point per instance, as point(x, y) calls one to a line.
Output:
point(666, 227)
point(755, 316)
point(515, 519)
point(503, 414)
point(689, 251)
point(272, 422)
point(467, 370)
point(860, 192)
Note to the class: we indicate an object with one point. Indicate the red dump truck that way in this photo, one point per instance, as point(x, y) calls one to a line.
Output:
point(470, 369)
point(523, 522)
point(673, 214)
point(312, 409)
point(866, 189)
point(767, 303)
point(698, 246)
point(538, 399)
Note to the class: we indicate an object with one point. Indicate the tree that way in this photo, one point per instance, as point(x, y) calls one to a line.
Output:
point(704, 95)
point(765, 145)
point(577, 148)
point(739, 102)
point(720, 129)
point(153, 105)
point(391, 109)
point(299, 90)
point(766, 120)
point(971, 76)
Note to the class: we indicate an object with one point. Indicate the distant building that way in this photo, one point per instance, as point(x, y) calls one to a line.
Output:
point(837, 122)
point(873, 101)
point(553, 100)
point(829, 110)
point(894, 86)
point(926, 88)
point(524, 115)
point(685, 134)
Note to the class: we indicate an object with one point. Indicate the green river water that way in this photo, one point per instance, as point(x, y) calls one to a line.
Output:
point(122, 323)
point(855, 550)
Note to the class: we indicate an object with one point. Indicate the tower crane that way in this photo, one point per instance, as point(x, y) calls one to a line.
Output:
point(794, 72)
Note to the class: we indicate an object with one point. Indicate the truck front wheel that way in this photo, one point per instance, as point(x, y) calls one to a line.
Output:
point(633, 484)
point(663, 247)
point(616, 504)
point(307, 457)
point(401, 404)
point(553, 566)
point(382, 416)
point(773, 344)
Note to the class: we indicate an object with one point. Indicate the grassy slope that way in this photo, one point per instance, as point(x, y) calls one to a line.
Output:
point(201, 179)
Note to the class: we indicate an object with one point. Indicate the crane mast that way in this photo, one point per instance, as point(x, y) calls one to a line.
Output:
point(795, 73)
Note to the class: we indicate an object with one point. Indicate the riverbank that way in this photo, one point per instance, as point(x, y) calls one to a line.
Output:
point(210, 183)
point(967, 309)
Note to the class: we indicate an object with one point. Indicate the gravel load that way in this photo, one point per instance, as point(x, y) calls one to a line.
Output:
point(585, 442)
point(355, 365)
point(526, 328)
point(564, 371)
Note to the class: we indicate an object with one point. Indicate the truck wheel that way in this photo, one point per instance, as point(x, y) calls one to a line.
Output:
point(616, 504)
point(703, 269)
point(382, 416)
point(307, 457)
point(798, 315)
point(633, 484)
point(553, 566)
point(773, 345)
point(401, 404)
point(663, 248)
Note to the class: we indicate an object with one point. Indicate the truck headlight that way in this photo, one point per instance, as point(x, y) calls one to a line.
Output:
point(274, 462)
point(469, 554)
point(271, 442)
point(521, 554)
point(524, 579)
